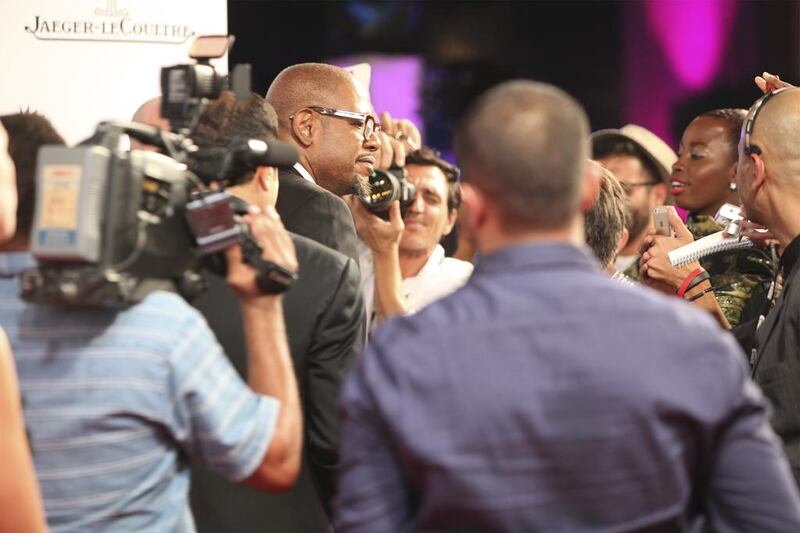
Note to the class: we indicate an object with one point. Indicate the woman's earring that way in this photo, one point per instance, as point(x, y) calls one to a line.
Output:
point(732, 186)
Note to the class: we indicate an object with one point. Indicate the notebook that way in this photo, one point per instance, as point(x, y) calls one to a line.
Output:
point(709, 245)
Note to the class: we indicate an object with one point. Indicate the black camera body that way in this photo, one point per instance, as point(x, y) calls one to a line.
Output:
point(110, 226)
point(387, 186)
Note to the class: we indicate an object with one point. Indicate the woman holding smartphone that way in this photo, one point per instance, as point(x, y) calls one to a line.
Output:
point(703, 179)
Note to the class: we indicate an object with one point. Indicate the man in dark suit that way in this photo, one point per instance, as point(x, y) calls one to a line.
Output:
point(324, 114)
point(324, 319)
point(322, 313)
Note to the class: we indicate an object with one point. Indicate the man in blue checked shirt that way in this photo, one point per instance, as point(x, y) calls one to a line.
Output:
point(543, 395)
point(116, 403)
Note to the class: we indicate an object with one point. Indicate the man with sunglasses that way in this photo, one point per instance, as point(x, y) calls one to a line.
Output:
point(642, 162)
point(324, 115)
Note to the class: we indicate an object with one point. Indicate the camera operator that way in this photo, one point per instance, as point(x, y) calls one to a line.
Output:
point(325, 326)
point(405, 268)
point(117, 401)
point(18, 488)
point(324, 115)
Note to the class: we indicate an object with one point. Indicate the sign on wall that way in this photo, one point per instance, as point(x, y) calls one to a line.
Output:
point(82, 61)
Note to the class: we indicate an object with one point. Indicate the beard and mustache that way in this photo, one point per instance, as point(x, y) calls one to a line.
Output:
point(640, 220)
point(360, 186)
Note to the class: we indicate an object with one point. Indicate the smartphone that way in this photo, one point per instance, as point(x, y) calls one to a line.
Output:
point(661, 220)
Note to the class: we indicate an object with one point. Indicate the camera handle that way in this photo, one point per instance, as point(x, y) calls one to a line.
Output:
point(271, 278)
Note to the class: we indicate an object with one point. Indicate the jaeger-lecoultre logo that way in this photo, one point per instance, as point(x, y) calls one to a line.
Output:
point(109, 24)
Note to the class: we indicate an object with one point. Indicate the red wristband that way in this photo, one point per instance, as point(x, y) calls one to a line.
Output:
point(686, 282)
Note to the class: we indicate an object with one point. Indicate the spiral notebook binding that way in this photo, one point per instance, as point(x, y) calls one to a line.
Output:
point(709, 245)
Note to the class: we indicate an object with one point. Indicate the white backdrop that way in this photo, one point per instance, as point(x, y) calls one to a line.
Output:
point(82, 61)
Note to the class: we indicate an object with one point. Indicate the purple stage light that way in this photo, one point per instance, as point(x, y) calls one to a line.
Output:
point(692, 34)
point(395, 83)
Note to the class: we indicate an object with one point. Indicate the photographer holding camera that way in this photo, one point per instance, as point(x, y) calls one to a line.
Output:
point(117, 401)
point(404, 267)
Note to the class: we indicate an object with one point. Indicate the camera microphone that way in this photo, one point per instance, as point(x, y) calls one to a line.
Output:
point(273, 154)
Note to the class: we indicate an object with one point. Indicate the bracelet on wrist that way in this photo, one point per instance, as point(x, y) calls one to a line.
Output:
point(697, 276)
point(700, 294)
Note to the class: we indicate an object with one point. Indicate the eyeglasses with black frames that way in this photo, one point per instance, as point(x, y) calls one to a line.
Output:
point(370, 125)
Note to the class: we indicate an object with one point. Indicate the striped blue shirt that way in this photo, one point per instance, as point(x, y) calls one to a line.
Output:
point(117, 402)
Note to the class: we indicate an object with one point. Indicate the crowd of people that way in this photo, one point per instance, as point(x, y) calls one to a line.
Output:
point(554, 372)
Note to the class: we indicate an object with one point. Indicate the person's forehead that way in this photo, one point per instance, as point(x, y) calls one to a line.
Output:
point(344, 96)
point(428, 177)
point(705, 129)
point(624, 166)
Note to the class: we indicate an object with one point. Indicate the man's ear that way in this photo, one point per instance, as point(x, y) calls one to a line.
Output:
point(475, 202)
point(592, 176)
point(623, 240)
point(303, 127)
point(267, 178)
point(266, 181)
point(759, 173)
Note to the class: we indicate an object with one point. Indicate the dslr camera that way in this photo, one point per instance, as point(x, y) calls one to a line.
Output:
point(110, 226)
point(387, 186)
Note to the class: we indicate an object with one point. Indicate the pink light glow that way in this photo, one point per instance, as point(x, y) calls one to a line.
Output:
point(692, 34)
point(395, 83)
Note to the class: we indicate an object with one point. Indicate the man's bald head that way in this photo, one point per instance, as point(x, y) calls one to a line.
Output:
point(776, 132)
point(150, 113)
point(525, 145)
point(310, 84)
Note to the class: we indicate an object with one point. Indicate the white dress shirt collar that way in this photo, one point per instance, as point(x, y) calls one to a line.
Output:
point(303, 172)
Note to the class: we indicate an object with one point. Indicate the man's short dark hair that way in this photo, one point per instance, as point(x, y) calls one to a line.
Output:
point(228, 118)
point(615, 146)
point(426, 156)
point(525, 145)
point(604, 223)
point(27, 132)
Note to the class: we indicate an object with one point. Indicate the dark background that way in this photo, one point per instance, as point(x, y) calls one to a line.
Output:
point(603, 53)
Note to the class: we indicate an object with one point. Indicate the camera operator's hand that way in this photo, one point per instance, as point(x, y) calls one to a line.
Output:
point(655, 267)
point(382, 236)
point(770, 82)
point(276, 245)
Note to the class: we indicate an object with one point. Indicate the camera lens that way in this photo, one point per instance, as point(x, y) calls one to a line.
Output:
point(384, 188)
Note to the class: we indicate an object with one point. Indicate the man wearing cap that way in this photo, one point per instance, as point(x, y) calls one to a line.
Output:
point(642, 162)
